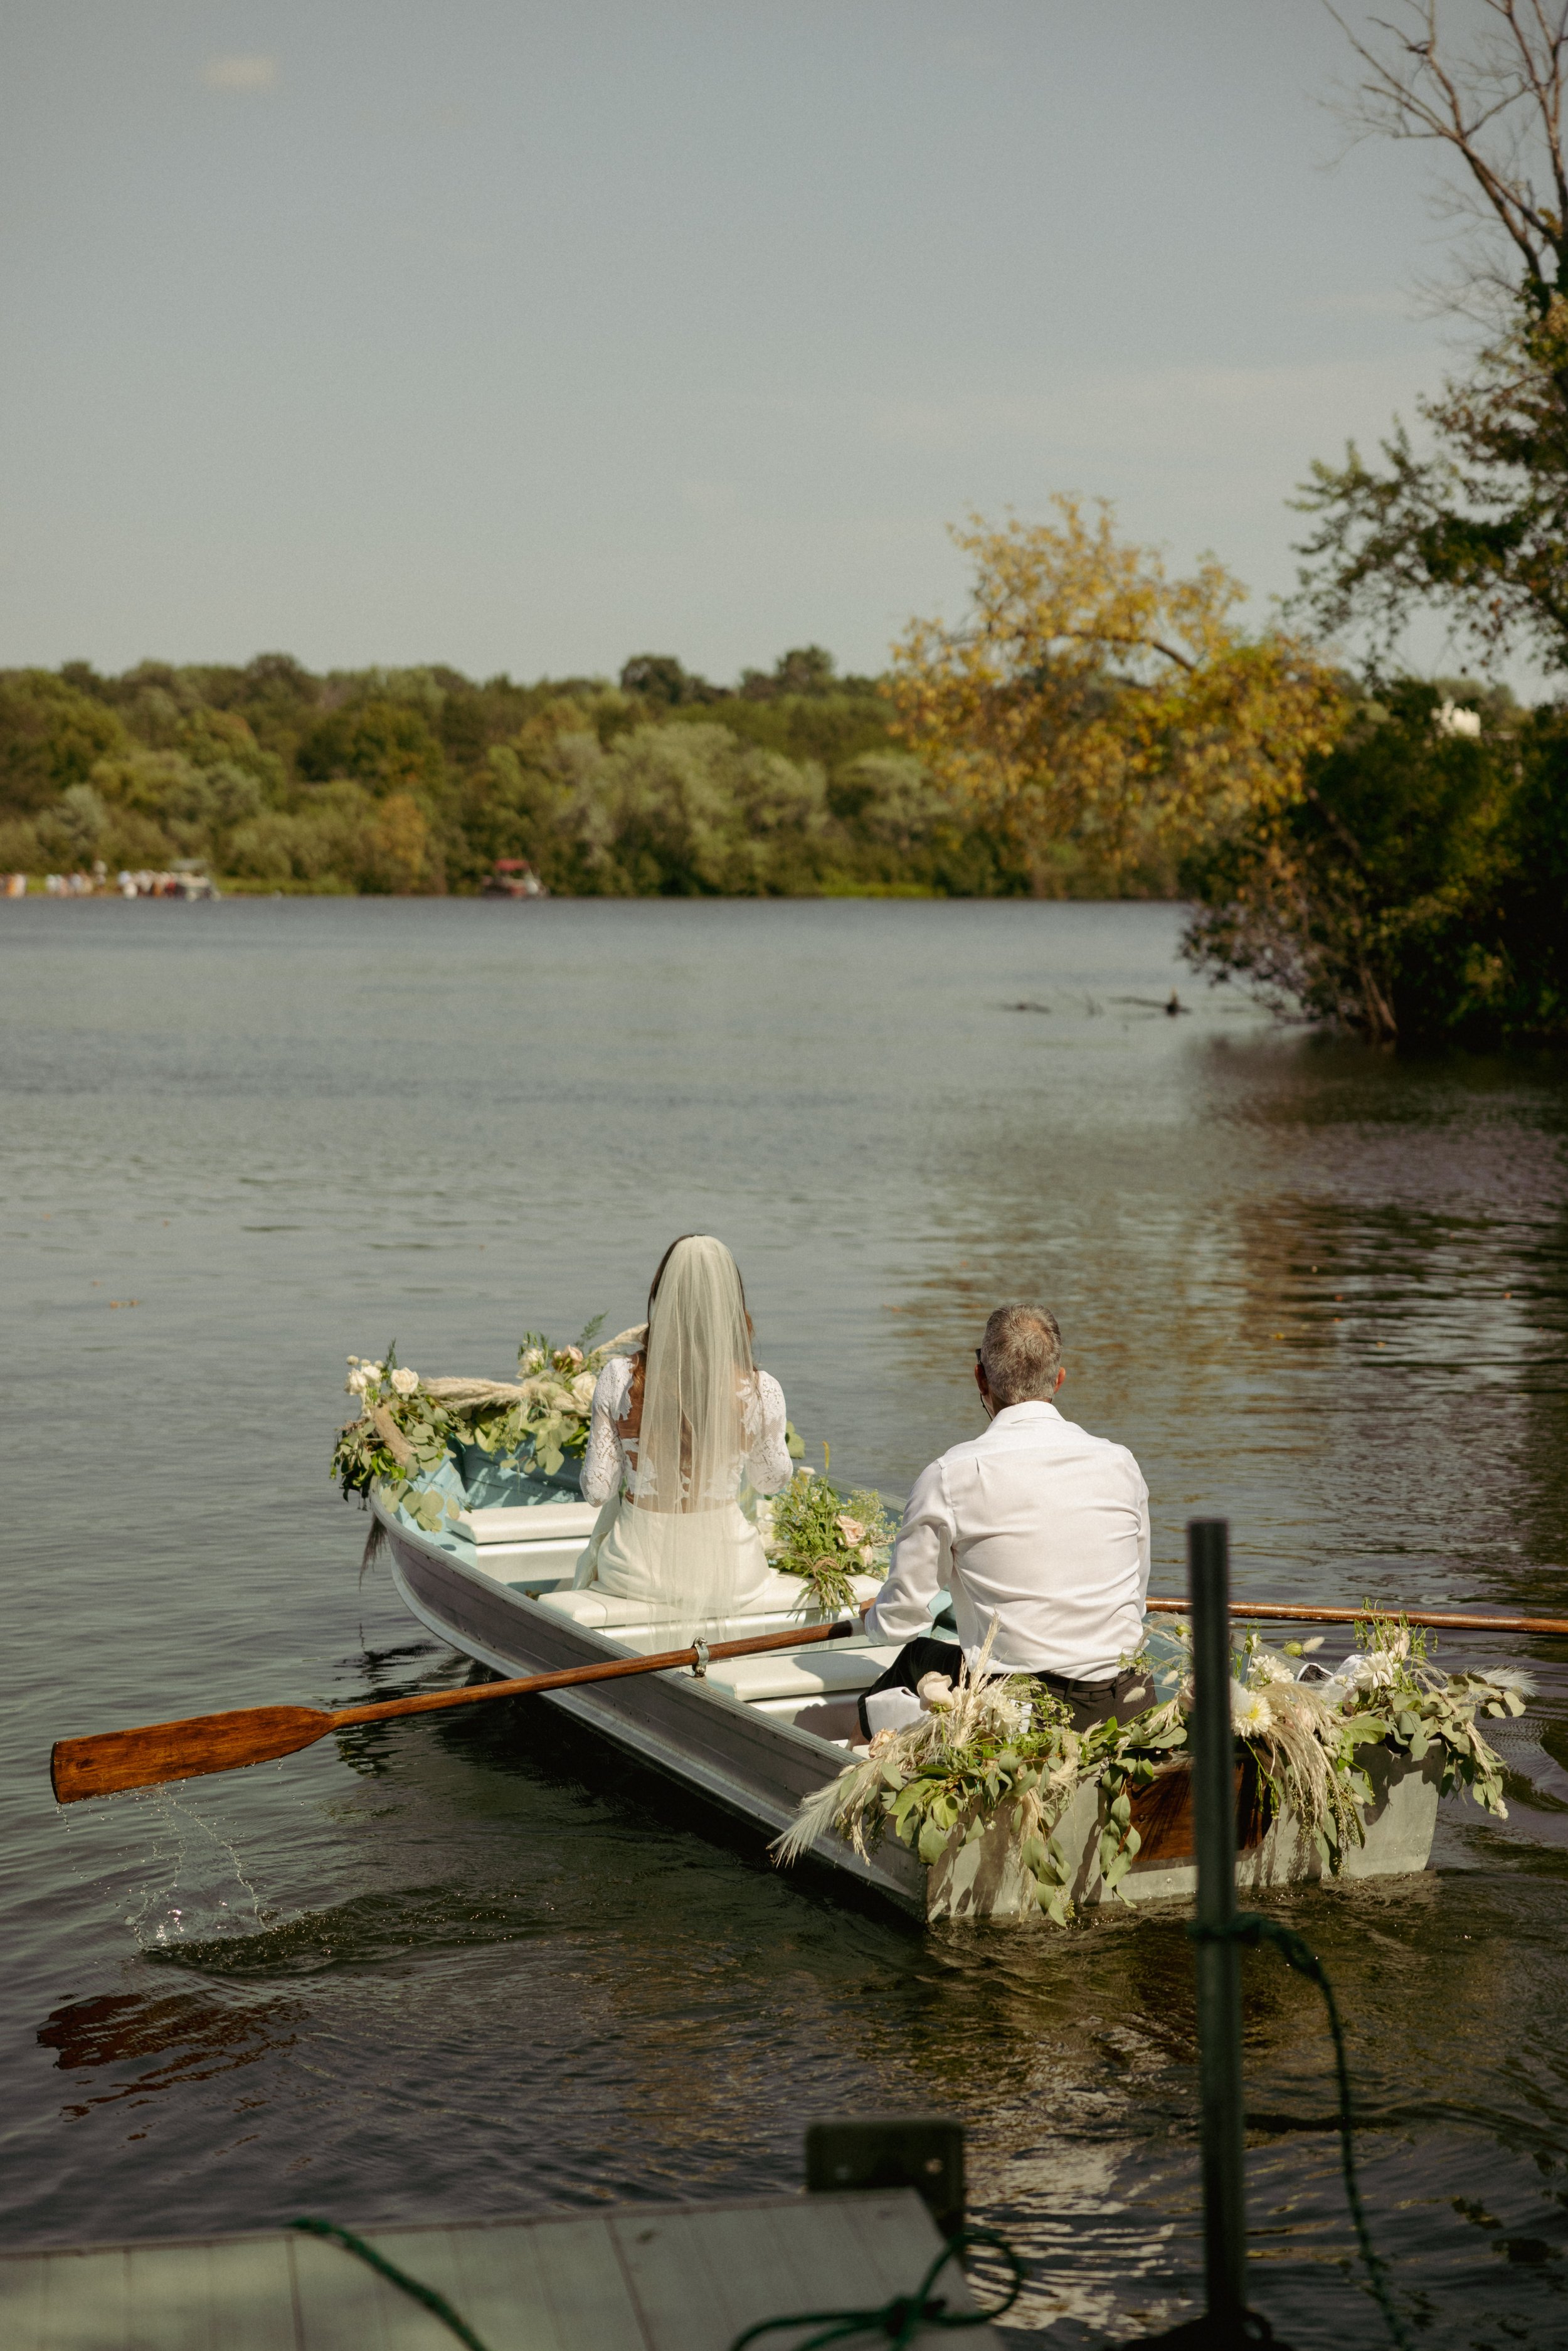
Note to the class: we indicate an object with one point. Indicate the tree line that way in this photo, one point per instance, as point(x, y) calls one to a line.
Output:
point(420, 780)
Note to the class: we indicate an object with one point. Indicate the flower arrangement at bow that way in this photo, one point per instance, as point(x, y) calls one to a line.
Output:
point(995, 1747)
point(408, 1426)
point(812, 1530)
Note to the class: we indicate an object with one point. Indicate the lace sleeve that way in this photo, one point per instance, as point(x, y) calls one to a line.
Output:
point(768, 1461)
point(601, 1462)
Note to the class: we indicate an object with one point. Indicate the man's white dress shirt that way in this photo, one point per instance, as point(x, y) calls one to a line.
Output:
point(1034, 1523)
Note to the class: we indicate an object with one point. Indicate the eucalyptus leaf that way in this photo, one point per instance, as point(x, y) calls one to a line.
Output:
point(932, 1843)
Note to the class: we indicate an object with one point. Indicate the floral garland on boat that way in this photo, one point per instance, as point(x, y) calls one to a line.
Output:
point(409, 1427)
point(998, 1747)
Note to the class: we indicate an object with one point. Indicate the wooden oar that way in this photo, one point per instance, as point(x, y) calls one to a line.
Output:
point(114, 1759)
point(1452, 1620)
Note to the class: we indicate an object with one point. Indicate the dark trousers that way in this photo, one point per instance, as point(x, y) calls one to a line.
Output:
point(1091, 1702)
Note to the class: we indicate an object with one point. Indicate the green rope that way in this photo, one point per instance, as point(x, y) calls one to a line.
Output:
point(434, 2301)
point(900, 2320)
point(1249, 1926)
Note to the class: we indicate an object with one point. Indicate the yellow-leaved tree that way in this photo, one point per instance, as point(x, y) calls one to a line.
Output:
point(1088, 705)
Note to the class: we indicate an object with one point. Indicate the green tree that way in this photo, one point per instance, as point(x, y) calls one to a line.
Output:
point(1477, 524)
point(71, 828)
point(808, 669)
point(51, 736)
point(1374, 900)
point(389, 747)
point(689, 811)
point(662, 681)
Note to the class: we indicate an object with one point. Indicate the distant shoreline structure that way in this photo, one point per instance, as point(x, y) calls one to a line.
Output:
point(187, 879)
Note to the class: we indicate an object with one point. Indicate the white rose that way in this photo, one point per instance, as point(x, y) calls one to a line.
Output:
point(582, 1390)
point(357, 1381)
point(404, 1379)
point(534, 1361)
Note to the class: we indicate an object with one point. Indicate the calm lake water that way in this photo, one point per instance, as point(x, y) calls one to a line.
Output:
point(483, 1966)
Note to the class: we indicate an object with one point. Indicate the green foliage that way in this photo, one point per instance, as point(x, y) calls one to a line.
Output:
point(408, 1427)
point(688, 811)
point(824, 1537)
point(1405, 1703)
point(398, 1438)
point(51, 738)
point(387, 746)
point(1523, 931)
point(420, 780)
point(70, 829)
point(1477, 526)
point(1413, 889)
point(662, 683)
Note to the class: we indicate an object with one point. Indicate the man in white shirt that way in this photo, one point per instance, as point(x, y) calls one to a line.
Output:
point(1033, 1526)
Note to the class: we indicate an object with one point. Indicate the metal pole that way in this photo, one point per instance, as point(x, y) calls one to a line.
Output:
point(1218, 1967)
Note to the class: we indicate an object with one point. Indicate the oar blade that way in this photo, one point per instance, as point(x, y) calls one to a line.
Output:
point(116, 1759)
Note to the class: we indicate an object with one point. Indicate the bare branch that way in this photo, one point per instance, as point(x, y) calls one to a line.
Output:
point(1497, 109)
point(1145, 644)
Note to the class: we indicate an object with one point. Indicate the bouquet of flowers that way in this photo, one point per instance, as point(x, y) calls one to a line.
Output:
point(812, 1530)
point(408, 1426)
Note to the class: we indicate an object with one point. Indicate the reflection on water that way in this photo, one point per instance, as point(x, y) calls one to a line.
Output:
point(484, 1965)
point(196, 2039)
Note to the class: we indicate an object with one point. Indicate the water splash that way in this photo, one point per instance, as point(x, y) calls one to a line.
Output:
point(196, 1887)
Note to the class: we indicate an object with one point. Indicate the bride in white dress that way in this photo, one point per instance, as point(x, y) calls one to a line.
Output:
point(675, 1431)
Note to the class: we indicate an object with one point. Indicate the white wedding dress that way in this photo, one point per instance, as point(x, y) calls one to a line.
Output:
point(698, 1556)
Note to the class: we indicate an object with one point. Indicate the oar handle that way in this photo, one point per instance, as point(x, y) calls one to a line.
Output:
point(666, 1660)
point(1451, 1620)
point(111, 1761)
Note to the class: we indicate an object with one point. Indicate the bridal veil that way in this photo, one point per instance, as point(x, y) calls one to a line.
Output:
point(698, 1388)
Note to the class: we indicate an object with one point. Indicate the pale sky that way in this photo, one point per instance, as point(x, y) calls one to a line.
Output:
point(528, 337)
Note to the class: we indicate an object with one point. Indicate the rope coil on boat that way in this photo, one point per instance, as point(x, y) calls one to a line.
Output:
point(1251, 1928)
point(898, 2322)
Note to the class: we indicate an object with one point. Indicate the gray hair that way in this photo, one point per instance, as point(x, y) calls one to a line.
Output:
point(1022, 1353)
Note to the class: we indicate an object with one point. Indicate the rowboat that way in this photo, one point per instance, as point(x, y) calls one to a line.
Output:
point(495, 1584)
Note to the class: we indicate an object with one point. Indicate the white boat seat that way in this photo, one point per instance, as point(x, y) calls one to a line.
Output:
point(545, 1523)
point(595, 1608)
point(822, 1672)
point(781, 1596)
